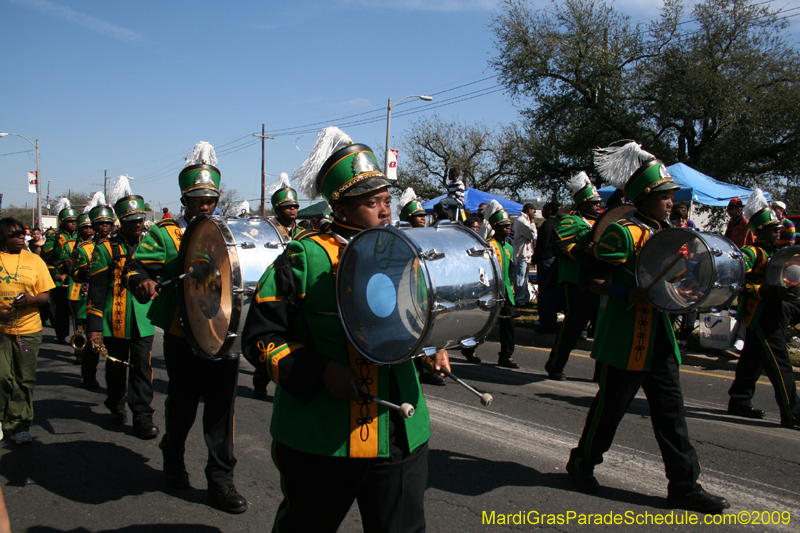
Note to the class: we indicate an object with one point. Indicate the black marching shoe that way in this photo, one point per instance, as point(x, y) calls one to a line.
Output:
point(91, 384)
point(259, 394)
point(118, 417)
point(790, 424)
point(557, 376)
point(471, 357)
point(699, 501)
point(226, 499)
point(176, 475)
point(746, 411)
point(584, 481)
point(507, 362)
point(144, 428)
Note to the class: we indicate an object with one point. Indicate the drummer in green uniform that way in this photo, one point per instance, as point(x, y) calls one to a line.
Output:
point(762, 309)
point(102, 219)
point(575, 244)
point(331, 444)
point(285, 204)
point(121, 322)
point(52, 253)
point(634, 341)
point(411, 209)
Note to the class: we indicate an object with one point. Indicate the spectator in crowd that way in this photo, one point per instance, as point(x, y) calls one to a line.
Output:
point(787, 236)
point(166, 213)
point(546, 270)
point(737, 230)
point(474, 223)
point(524, 231)
point(455, 186)
point(36, 242)
point(679, 216)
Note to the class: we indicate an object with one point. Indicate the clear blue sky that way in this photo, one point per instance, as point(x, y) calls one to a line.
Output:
point(130, 87)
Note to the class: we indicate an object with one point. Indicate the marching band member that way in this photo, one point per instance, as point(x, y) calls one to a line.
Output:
point(75, 293)
point(411, 209)
point(331, 444)
point(634, 341)
point(762, 311)
point(117, 319)
point(190, 377)
point(575, 244)
point(285, 204)
point(52, 252)
point(102, 219)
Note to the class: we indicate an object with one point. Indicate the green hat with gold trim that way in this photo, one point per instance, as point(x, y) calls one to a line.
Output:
point(410, 205)
point(635, 171)
point(496, 215)
point(758, 213)
point(582, 189)
point(130, 207)
point(97, 210)
point(282, 193)
point(200, 176)
point(101, 213)
point(84, 220)
point(65, 211)
point(337, 167)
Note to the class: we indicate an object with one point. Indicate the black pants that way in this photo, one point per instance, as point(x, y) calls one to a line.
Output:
point(60, 311)
point(318, 491)
point(506, 327)
point(662, 387)
point(551, 299)
point(88, 357)
point(765, 351)
point(191, 378)
point(132, 385)
point(582, 308)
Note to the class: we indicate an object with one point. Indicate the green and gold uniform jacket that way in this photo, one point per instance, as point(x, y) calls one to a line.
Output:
point(74, 293)
point(505, 256)
point(752, 298)
point(575, 234)
point(286, 233)
point(111, 308)
point(293, 331)
point(157, 256)
point(625, 338)
point(53, 251)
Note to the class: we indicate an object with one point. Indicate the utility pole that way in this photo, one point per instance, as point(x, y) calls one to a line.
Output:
point(49, 210)
point(105, 185)
point(263, 136)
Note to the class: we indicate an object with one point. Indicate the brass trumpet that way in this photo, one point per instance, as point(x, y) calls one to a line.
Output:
point(100, 347)
point(78, 340)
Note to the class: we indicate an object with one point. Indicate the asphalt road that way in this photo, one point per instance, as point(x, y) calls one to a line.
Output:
point(82, 474)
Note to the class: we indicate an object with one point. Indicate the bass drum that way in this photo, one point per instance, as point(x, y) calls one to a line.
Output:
point(609, 217)
point(784, 268)
point(691, 270)
point(406, 292)
point(227, 257)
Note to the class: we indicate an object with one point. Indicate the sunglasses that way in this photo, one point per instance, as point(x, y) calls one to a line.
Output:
point(16, 233)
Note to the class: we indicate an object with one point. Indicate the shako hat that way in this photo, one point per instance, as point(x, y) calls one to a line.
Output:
point(130, 207)
point(758, 213)
point(84, 220)
point(635, 171)
point(496, 215)
point(410, 205)
point(582, 189)
point(65, 211)
point(97, 209)
point(337, 167)
point(282, 193)
point(200, 175)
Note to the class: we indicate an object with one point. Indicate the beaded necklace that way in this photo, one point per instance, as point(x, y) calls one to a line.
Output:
point(8, 280)
point(16, 274)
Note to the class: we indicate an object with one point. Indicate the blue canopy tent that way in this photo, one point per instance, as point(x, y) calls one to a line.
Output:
point(473, 198)
point(698, 188)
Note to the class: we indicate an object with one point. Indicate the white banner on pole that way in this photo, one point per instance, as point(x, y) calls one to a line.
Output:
point(391, 172)
point(32, 179)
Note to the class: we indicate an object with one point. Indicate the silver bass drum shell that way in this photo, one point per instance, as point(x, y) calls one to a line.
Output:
point(405, 292)
point(227, 257)
point(784, 268)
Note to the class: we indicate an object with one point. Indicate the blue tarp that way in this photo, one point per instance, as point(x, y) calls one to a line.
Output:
point(699, 188)
point(473, 198)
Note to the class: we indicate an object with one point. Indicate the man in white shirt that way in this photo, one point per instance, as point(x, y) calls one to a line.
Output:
point(524, 231)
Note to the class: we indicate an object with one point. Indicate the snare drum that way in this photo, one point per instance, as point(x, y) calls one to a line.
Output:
point(406, 292)
point(784, 268)
point(708, 276)
point(227, 257)
point(612, 215)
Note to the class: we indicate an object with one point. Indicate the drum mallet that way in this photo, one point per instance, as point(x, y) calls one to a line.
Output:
point(486, 398)
point(173, 280)
point(661, 275)
point(406, 410)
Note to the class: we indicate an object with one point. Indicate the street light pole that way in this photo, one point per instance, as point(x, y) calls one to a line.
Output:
point(389, 122)
point(263, 136)
point(38, 176)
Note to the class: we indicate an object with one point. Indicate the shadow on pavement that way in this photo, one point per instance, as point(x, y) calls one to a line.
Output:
point(141, 528)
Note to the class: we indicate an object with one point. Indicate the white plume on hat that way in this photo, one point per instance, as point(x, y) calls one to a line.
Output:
point(203, 153)
point(282, 183)
point(407, 197)
point(62, 203)
point(618, 163)
point(242, 207)
point(578, 182)
point(98, 198)
point(329, 140)
point(493, 207)
point(121, 189)
point(755, 203)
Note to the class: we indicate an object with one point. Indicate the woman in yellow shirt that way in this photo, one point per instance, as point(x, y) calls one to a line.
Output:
point(24, 286)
